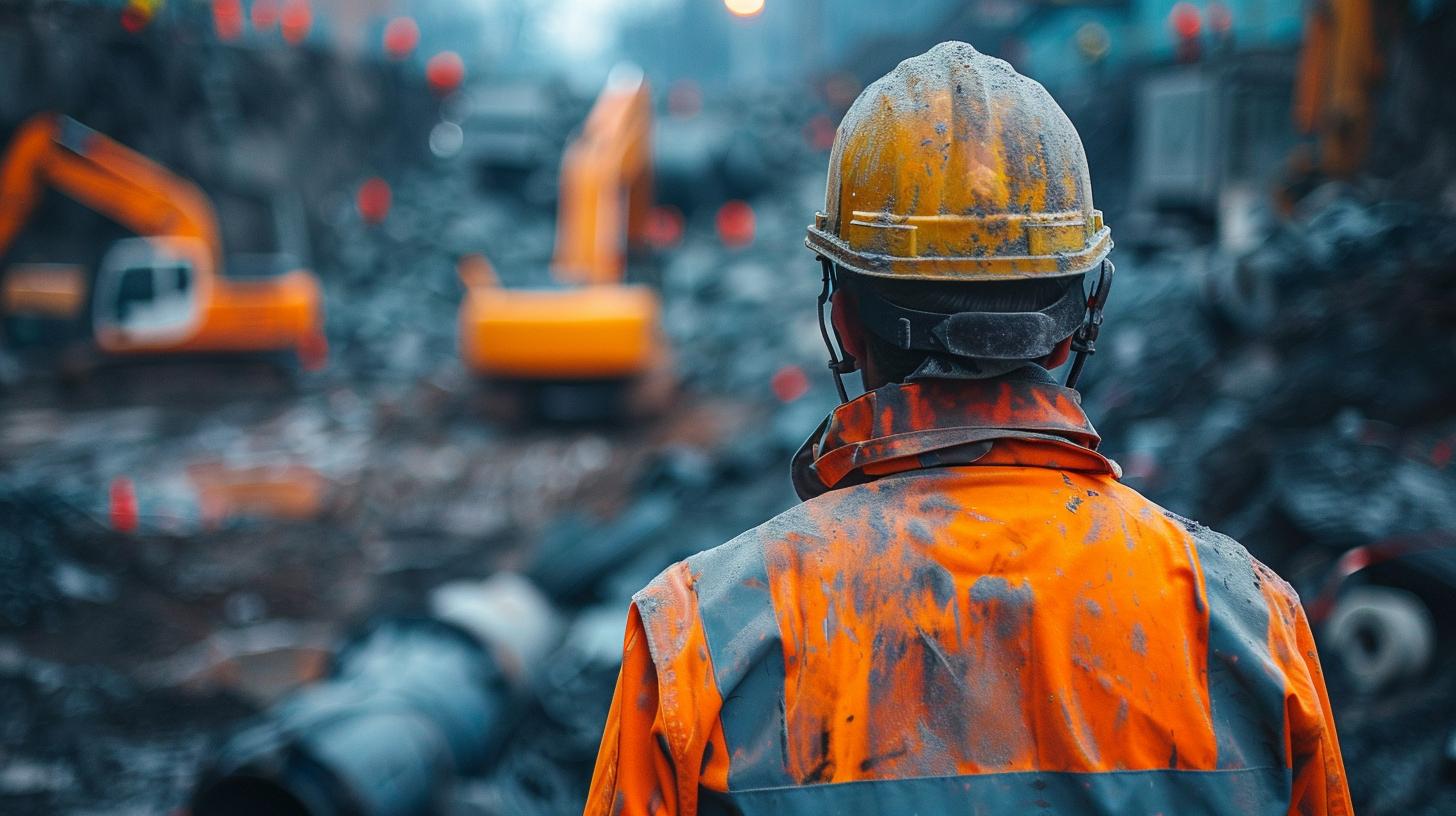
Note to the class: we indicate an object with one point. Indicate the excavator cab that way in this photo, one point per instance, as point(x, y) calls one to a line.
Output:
point(147, 291)
point(589, 346)
point(165, 291)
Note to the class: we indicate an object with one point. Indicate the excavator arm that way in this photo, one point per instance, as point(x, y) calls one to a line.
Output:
point(606, 184)
point(52, 151)
point(1339, 67)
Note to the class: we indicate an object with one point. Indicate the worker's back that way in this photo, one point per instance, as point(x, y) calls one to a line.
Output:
point(991, 626)
point(968, 614)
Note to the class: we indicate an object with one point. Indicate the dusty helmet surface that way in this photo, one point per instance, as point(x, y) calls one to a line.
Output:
point(955, 167)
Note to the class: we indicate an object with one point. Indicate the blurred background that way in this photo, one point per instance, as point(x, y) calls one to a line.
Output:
point(362, 357)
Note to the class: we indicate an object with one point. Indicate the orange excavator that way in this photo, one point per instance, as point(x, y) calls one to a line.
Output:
point(592, 328)
point(162, 292)
point(1340, 64)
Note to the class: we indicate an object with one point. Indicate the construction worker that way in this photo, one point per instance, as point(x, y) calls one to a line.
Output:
point(968, 613)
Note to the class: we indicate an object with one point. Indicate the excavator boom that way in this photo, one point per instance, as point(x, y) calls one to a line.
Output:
point(606, 184)
point(141, 195)
point(1339, 67)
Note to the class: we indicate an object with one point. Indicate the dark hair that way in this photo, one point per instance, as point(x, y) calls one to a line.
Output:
point(897, 364)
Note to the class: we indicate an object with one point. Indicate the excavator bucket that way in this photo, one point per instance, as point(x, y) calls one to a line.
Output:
point(592, 327)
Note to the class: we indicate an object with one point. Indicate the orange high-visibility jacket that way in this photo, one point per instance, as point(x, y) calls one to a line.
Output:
point(969, 615)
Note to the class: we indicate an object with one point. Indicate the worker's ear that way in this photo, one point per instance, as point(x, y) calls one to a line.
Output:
point(847, 325)
point(1059, 355)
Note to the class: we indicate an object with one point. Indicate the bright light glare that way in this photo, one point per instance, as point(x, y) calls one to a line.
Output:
point(744, 8)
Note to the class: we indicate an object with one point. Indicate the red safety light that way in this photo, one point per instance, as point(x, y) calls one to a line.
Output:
point(373, 200)
point(444, 72)
point(133, 19)
point(123, 509)
point(789, 383)
point(264, 15)
point(735, 224)
point(295, 20)
point(227, 19)
point(313, 352)
point(1443, 452)
point(401, 36)
point(664, 227)
point(137, 14)
point(1185, 21)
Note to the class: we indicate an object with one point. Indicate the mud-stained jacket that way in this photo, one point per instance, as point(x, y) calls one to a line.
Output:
point(969, 614)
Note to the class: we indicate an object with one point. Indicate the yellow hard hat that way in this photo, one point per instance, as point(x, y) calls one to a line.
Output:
point(954, 167)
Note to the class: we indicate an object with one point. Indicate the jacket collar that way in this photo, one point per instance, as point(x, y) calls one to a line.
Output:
point(934, 423)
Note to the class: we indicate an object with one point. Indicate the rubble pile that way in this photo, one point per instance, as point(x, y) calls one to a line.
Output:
point(391, 290)
point(82, 730)
point(60, 563)
point(1265, 391)
point(97, 741)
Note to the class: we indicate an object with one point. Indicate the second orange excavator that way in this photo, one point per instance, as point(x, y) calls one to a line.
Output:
point(591, 344)
point(164, 291)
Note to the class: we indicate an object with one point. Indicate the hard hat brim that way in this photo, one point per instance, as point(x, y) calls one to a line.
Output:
point(965, 269)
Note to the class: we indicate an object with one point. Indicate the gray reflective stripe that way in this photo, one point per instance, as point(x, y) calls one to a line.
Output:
point(748, 659)
point(1247, 792)
point(1245, 685)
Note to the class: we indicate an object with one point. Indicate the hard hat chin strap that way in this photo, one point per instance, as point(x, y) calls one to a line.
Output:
point(1084, 341)
point(840, 361)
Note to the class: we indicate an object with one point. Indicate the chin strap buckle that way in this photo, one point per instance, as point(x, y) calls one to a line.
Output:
point(1084, 341)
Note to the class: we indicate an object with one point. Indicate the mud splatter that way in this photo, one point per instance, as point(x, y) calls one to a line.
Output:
point(1139, 640)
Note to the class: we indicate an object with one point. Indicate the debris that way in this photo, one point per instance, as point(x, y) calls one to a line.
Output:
point(1380, 636)
point(507, 612)
point(577, 551)
point(407, 704)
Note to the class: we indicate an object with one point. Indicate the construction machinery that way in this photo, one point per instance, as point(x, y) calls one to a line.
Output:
point(1339, 67)
point(588, 344)
point(1370, 98)
point(164, 290)
point(1211, 133)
